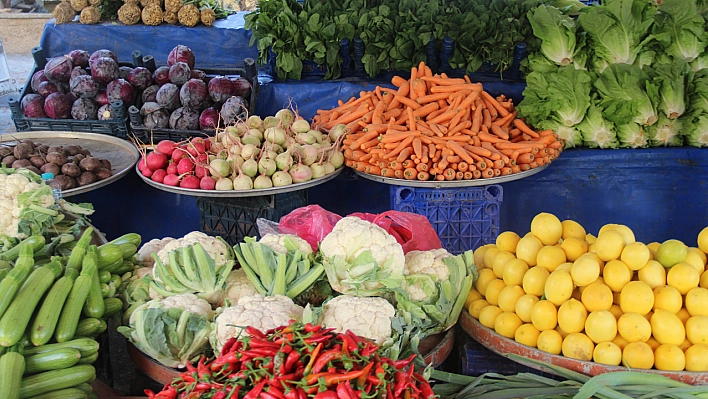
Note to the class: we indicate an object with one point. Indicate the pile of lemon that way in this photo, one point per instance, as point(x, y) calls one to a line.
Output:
point(609, 299)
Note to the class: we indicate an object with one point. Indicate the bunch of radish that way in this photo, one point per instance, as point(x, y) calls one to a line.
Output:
point(256, 153)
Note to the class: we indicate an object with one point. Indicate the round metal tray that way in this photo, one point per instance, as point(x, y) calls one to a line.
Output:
point(239, 193)
point(435, 349)
point(504, 346)
point(121, 153)
point(452, 183)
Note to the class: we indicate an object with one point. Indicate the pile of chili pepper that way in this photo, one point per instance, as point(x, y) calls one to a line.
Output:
point(299, 361)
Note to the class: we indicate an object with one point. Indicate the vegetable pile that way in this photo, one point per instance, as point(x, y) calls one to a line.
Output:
point(256, 154)
point(609, 299)
point(626, 73)
point(437, 128)
point(298, 361)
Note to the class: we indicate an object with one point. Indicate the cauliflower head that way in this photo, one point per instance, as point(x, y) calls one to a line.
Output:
point(368, 317)
point(261, 312)
point(280, 243)
point(428, 262)
point(145, 252)
point(11, 187)
point(189, 302)
point(217, 248)
point(360, 255)
point(238, 286)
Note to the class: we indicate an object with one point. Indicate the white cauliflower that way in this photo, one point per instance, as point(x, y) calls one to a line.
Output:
point(352, 237)
point(145, 252)
point(261, 312)
point(238, 286)
point(368, 317)
point(11, 186)
point(216, 248)
point(425, 263)
point(277, 242)
point(188, 302)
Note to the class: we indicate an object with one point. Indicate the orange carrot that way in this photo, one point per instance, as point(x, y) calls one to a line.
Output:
point(398, 81)
point(407, 101)
point(404, 154)
point(506, 120)
point(486, 118)
point(419, 88)
point(457, 87)
point(444, 81)
point(493, 101)
point(410, 174)
point(461, 152)
point(490, 138)
point(412, 94)
point(525, 158)
point(446, 116)
point(405, 143)
point(398, 173)
point(459, 127)
point(499, 132)
point(386, 172)
point(521, 125)
point(422, 167)
point(426, 110)
point(417, 148)
point(431, 98)
point(423, 175)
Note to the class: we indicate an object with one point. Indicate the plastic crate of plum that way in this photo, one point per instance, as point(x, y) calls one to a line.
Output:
point(78, 92)
point(183, 102)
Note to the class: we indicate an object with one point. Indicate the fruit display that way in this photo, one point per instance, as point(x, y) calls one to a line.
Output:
point(72, 165)
point(259, 153)
point(606, 298)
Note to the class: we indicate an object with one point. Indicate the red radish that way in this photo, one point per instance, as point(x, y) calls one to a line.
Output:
point(166, 146)
point(196, 147)
point(201, 171)
point(202, 158)
point(172, 168)
point(159, 175)
point(207, 144)
point(207, 183)
point(171, 180)
point(189, 181)
point(147, 172)
point(156, 160)
point(179, 153)
point(185, 165)
point(142, 164)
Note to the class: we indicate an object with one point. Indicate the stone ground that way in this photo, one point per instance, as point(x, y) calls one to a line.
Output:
point(20, 67)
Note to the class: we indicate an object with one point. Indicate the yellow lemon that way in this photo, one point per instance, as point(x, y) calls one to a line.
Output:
point(697, 357)
point(507, 323)
point(653, 273)
point(635, 255)
point(571, 316)
point(697, 302)
point(572, 229)
point(683, 277)
point(544, 315)
point(527, 249)
point(634, 327)
point(638, 355)
point(524, 305)
point(489, 255)
point(620, 341)
point(488, 315)
point(616, 310)
point(609, 245)
point(565, 267)
point(653, 343)
point(578, 346)
point(703, 240)
point(699, 253)
point(683, 315)
point(703, 283)
point(494, 288)
point(597, 296)
point(558, 287)
point(669, 358)
point(671, 252)
point(574, 247)
point(607, 353)
point(616, 275)
point(479, 255)
point(514, 272)
point(473, 295)
point(499, 262)
point(527, 335)
point(535, 280)
point(508, 297)
point(585, 270)
point(590, 239)
point(476, 306)
point(697, 329)
point(668, 298)
point(637, 297)
point(485, 276)
point(561, 332)
point(601, 326)
point(667, 328)
point(653, 247)
point(547, 228)
point(550, 257)
point(624, 231)
point(550, 341)
point(507, 241)
point(694, 259)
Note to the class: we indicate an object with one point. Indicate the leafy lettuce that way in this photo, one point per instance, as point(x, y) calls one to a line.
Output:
point(627, 95)
point(672, 80)
point(557, 33)
point(697, 132)
point(570, 134)
point(666, 132)
point(679, 28)
point(597, 132)
point(631, 135)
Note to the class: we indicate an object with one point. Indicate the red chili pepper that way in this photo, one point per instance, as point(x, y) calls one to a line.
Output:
point(273, 390)
point(202, 386)
point(292, 394)
point(317, 338)
point(219, 395)
point(401, 364)
point(260, 343)
point(260, 352)
point(192, 395)
point(309, 327)
point(301, 393)
point(352, 393)
point(254, 332)
point(283, 379)
point(190, 369)
point(425, 388)
point(313, 358)
point(287, 349)
point(361, 380)
point(389, 393)
point(349, 343)
point(253, 393)
point(228, 345)
point(372, 379)
point(290, 361)
point(326, 395)
point(202, 369)
point(168, 392)
point(326, 358)
point(407, 394)
point(266, 395)
point(400, 379)
point(342, 392)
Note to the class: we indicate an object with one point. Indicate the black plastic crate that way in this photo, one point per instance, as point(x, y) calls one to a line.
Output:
point(235, 218)
point(117, 127)
point(146, 135)
point(486, 70)
point(311, 69)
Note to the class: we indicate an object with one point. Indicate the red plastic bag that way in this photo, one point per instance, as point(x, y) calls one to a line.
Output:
point(311, 223)
point(414, 232)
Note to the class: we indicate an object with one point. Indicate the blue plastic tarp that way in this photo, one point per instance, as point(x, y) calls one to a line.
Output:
point(223, 45)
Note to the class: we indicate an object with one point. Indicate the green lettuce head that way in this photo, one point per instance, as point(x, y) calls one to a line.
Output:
point(679, 28)
point(597, 132)
point(666, 132)
point(631, 135)
point(697, 132)
point(627, 95)
point(557, 33)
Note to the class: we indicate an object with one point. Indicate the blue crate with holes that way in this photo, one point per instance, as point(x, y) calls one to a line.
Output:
point(464, 218)
point(476, 360)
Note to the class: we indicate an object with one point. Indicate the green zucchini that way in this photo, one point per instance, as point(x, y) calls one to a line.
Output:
point(84, 387)
point(34, 241)
point(5, 264)
point(46, 321)
point(113, 306)
point(12, 366)
point(128, 250)
point(93, 307)
point(53, 360)
point(15, 320)
point(4, 273)
point(104, 276)
point(117, 281)
point(109, 254)
point(11, 284)
point(71, 312)
point(50, 381)
point(87, 327)
point(125, 267)
point(89, 359)
point(68, 393)
point(26, 257)
point(77, 254)
point(85, 346)
point(133, 238)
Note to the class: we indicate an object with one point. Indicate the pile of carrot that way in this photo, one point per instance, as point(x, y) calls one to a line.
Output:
point(433, 127)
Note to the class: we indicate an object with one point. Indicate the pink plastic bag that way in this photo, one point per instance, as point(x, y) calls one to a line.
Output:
point(412, 231)
point(311, 223)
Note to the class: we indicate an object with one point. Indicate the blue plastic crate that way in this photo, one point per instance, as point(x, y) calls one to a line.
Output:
point(464, 218)
point(475, 360)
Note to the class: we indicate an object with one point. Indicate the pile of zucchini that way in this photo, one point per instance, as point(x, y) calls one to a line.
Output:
point(51, 310)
